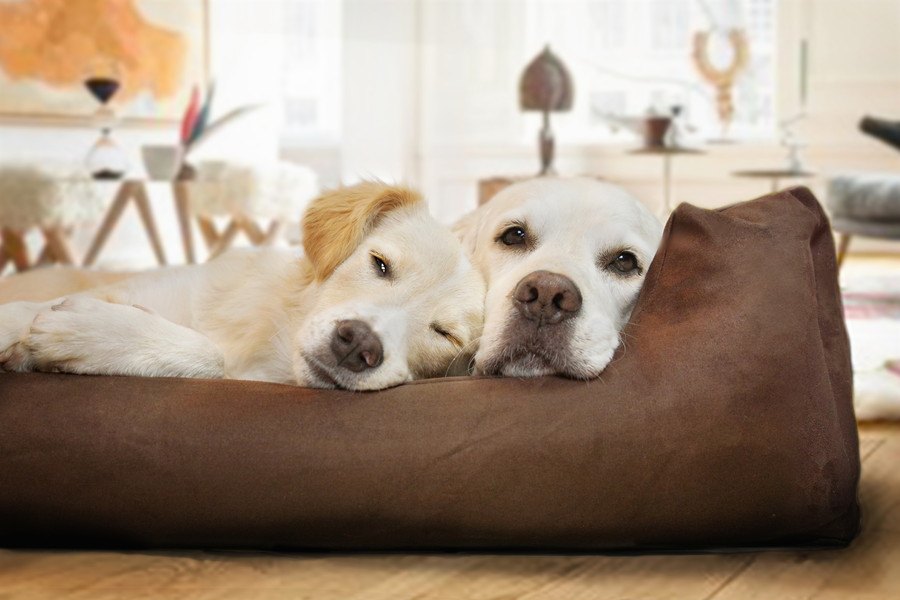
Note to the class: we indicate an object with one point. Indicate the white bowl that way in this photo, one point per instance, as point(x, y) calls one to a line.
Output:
point(161, 162)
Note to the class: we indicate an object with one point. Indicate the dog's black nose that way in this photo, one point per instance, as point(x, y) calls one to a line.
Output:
point(547, 297)
point(355, 346)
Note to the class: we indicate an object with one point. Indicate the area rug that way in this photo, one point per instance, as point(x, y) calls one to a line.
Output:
point(872, 309)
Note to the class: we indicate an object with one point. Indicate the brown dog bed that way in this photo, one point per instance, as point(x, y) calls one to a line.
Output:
point(724, 422)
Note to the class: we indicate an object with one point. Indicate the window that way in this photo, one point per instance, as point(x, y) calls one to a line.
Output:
point(311, 79)
point(631, 56)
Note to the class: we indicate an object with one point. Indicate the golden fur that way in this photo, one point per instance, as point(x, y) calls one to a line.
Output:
point(337, 222)
point(265, 314)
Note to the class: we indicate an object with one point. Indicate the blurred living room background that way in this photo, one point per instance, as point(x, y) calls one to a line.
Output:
point(143, 132)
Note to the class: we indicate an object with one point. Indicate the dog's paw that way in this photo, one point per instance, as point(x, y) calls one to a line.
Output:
point(71, 335)
point(91, 337)
point(15, 323)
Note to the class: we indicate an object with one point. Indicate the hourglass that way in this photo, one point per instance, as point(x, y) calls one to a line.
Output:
point(105, 160)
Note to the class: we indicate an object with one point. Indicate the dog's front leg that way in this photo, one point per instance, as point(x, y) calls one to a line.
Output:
point(89, 336)
point(15, 323)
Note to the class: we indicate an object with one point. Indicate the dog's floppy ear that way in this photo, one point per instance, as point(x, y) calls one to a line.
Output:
point(468, 228)
point(336, 222)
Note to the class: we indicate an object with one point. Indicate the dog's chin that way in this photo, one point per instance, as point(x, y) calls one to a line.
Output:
point(310, 372)
point(314, 372)
point(524, 362)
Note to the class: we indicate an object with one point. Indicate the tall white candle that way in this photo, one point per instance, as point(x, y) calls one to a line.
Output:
point(804, 71)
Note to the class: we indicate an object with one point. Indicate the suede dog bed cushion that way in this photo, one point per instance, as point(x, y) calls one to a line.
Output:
point(725, 421)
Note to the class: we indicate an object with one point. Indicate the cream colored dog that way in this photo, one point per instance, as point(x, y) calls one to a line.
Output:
point(564, 260)
point(383, 295)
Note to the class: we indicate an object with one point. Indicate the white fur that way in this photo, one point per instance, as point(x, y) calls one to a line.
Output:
point(257, 314)
point(86, 335)
point(574, 222)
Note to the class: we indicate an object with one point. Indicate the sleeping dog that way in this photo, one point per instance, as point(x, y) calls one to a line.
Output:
point(383, 295)
point(564, 260)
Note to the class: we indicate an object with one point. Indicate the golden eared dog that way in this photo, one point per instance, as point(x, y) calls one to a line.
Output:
point(382, 294)
point(564, 260)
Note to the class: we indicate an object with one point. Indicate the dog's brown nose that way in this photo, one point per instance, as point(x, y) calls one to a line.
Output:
point(355, 346)
point(547, 297)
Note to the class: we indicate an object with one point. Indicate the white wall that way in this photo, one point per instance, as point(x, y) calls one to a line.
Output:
point(380, 89)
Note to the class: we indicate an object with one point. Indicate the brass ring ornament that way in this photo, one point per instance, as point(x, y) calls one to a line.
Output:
point(722, 78)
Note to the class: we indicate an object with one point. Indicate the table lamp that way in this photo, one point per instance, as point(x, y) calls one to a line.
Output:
point(546, 86)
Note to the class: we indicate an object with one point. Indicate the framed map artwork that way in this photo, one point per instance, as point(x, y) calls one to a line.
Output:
point(156, 49)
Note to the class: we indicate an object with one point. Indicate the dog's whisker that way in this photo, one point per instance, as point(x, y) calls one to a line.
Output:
point(462, 350)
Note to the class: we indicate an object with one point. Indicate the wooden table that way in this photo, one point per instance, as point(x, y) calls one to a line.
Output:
point(491, 186)
point(135, 190)
point(667, 153)
point(775, 175)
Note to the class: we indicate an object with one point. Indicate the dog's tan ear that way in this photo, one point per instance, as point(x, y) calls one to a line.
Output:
point(336, 222)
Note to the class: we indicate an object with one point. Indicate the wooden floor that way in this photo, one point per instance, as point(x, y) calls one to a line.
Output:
point(868, 569)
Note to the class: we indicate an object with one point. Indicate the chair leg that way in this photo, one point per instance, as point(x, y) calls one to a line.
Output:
point(58, 244)
point(843, 245)
point(16, 249)
point(225, 240)
point(46, 257)
point(273, 232)
point(208, 231)
point(249, 226)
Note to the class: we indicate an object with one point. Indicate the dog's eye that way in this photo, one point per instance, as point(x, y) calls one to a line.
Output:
point(513, 236)
point(443, 332)
point(625, 263)
point(381, 266)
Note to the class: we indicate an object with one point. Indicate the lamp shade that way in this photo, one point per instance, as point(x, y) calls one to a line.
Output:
point(546, 84)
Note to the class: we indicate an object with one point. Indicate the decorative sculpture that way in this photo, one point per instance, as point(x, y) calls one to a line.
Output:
point(722, 78)
point(546, 86)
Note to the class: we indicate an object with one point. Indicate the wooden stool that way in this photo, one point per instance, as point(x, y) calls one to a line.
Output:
point(50, 200)
point(244, 195)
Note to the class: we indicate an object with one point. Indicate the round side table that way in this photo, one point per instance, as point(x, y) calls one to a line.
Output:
point(775, 175)
point(667, 154)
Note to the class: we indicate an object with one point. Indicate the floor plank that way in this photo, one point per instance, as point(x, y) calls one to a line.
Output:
point(870, 568)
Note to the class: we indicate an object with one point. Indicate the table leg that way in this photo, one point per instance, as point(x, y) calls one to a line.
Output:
point(143, 206)
point(183, 209)
point(667, 184)
point(126, 190)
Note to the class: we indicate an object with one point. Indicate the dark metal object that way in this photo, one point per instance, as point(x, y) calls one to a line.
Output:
point(882, 129)
point(546, 86)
